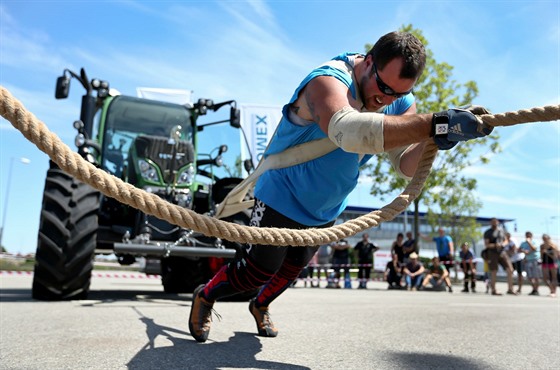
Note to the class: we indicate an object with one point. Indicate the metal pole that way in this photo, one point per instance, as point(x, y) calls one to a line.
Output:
point(24, 161)
point(406, 219)
point(6, 199)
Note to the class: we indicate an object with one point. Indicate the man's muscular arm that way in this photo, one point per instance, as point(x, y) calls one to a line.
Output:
point(324, 96)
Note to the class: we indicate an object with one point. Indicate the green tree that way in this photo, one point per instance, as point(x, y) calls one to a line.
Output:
point(238, 167)
point(448, 194)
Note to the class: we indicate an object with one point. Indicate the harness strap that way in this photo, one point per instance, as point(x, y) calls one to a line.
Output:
point(235, 201)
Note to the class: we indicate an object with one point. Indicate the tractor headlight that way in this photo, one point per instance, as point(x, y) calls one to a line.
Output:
point(80, 140)
point(186, 176)
point(184, 200)
point(148, 171)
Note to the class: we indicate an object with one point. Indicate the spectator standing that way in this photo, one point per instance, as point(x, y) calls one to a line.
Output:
point(413, 272)
point(437, 274)
point(486, 275)
point(324, 255)
point(311, 267)
point(392, 274)
point(493, 240)
point(341, 260)
point(549, 256)
point(531, 261)
point(397, 247)
point(515, 258)
point(409, 246)
point(445, 247)
point(364, 251)
point(468, 265)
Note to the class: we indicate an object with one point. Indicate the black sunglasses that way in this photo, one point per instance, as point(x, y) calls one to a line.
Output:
point(386, 89)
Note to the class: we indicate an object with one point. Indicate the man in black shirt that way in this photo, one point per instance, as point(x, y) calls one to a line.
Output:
point(409, 246)
point(364, 250)
point(340, 260)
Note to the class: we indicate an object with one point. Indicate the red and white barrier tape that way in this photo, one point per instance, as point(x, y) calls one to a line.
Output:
point(331, 265)
point(341, 279)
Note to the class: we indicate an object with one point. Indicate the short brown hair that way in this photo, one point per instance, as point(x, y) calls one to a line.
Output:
point(402, 45)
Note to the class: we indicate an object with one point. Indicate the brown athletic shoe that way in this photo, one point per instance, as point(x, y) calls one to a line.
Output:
point(200, 318)
point(265, 326)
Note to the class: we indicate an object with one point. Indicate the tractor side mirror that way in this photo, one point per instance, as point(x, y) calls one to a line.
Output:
point(235, 117)
point(62, 87)
point(248, 165)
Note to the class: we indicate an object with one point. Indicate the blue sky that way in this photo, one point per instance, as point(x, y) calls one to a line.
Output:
point(257, 52)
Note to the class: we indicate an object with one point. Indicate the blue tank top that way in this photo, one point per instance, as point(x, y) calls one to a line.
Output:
point(315, 192)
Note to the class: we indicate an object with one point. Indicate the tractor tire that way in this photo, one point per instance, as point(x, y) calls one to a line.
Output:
point(183, 275)
point(67, 238)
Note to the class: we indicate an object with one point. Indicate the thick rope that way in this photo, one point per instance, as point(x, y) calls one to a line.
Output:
point(538, 114)
point(72, 163)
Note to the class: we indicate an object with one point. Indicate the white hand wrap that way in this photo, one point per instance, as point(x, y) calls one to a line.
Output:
point(395, 156)
point(357, 132)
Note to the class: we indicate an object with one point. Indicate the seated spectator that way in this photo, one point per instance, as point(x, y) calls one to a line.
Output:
point(437, 274)
point(413, 272)
point(392, 274)
point(468, 265)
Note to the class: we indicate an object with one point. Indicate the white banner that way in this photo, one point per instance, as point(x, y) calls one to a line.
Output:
point(259, 123)
point(176, 96)
point(380, 260)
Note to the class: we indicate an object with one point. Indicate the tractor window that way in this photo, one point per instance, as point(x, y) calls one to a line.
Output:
point(129, 117)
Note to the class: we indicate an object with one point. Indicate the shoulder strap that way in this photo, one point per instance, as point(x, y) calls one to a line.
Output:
point(235, 201)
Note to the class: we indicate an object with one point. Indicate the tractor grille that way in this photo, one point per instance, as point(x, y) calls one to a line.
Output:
point(160, 150)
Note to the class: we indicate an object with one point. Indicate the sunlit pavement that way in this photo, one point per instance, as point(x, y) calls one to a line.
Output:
point(130, 323)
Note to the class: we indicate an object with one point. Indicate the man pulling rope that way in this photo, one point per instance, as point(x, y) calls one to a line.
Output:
point(364, 105)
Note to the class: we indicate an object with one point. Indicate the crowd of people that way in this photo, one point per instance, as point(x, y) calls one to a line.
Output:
point(501, 249)
point(528, 260)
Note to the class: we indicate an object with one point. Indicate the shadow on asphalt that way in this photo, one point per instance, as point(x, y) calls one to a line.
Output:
point(408, 360)
point(16, 295)
point(24, 295)
point(184, 352)
point(107, 296)
point(238, 352)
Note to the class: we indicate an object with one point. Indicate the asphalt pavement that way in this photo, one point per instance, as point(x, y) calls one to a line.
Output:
point(128, 322)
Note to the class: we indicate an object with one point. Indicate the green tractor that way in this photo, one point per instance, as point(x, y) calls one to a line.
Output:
point(154, 146)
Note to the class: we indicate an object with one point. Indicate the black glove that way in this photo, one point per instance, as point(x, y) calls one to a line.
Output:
point(475, 109)
point(444, 144)
point(454, 125)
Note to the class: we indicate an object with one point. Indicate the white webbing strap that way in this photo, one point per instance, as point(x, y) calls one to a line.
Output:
point(235, 201)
